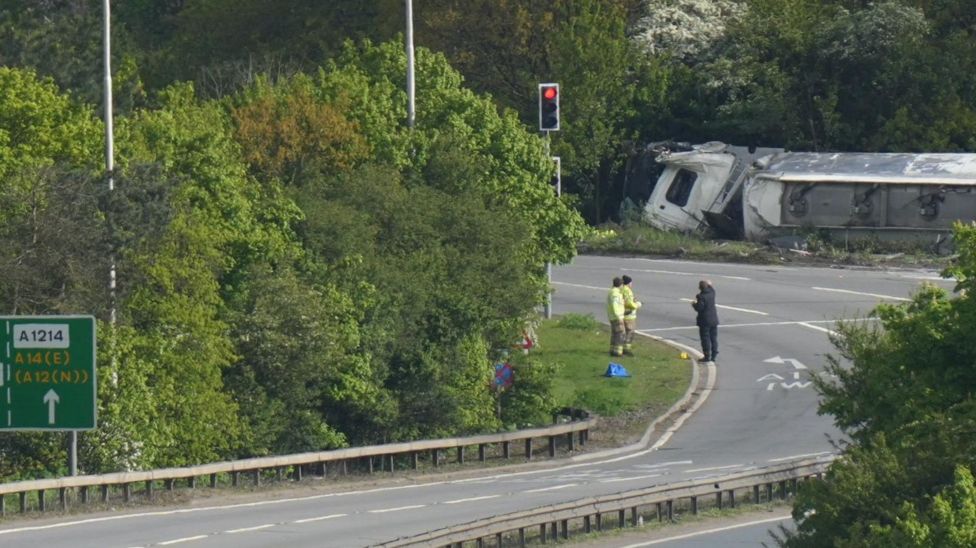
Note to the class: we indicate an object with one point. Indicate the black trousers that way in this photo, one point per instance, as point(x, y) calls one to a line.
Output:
point(709, 341)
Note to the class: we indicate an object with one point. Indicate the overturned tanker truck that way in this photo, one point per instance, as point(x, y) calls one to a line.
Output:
point(764, 193)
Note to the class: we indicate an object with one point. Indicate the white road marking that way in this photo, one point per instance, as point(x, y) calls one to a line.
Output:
point(849, 292)
point(184, 539)
point(804, 456)
point(713, 468)
point(753, 324)
point(694, 274)
point(631, 478)
point(553, 488)
point(663, 464)
point(472, 499)
point(320, 518)
point(581, 285)
point(709, 531)
point(397, 509)
point(818, 328)
point(247, 529)
point(749, 310)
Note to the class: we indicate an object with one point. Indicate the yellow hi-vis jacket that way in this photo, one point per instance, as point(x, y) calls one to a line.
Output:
point(630, 305)
point(615, 305)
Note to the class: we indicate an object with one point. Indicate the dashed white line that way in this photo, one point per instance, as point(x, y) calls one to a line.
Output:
point(663, 464)
point(804, 456)
point(553, 488)
point(737, 309)
point(631, 478)
point(184, 539)
point(397, 509)
point(849, 292)
point(713, 468)
point(818, 328)
point(320, 518)
point(472, 499)
point(248, 529)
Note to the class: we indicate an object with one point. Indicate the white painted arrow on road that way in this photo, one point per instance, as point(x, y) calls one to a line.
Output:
point(51, 398)
point(776, 359)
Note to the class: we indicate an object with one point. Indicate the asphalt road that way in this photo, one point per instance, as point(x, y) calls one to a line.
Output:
point(761, 411)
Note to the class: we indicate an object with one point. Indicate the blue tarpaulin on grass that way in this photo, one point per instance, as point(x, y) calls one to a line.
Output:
point(616, 370)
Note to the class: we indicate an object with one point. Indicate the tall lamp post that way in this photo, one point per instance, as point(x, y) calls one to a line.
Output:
point(411, 110)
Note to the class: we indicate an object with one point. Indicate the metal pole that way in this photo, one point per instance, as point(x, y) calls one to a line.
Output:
point(548, 306)
point(411, 106)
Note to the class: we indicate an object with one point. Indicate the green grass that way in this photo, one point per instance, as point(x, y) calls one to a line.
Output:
point(637, 239)
point(580, 346)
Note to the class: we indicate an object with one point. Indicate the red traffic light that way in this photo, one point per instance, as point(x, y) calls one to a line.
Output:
point(549, 107)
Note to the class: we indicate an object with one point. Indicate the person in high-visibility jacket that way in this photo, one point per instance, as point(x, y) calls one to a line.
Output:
point(630, 314)
point(615, 313)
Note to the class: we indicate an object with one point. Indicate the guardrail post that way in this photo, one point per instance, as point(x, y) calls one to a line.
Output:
point(460, 454)
point(149, 489)
point(782, 490)
point(23, 502)
point(126, 492)
point(660, 512)
point(369, 461)
point(169, 484)
point(769, 492)
point(481, 452)
point(322, 469)
point(599, 521)
point(731, 498)
point(235, 478)
point(414, 460)
point(498, 539)
point(297, 472)
point(345, 467)
point(392, 463)
point(542, 533)
point(718, 500)
point(670, 510)
point(528, 448)
point(522, 537)
point(795, 484)
point(565, 528)
point(506, 449)
point(63, 497)
point(257, 477)
point(587, 526)
point(755, 494)
point(621, 518)
point(191, 482)
point(104, 493)
point(571, 439)
point(278, 474)
point(3, 505)
point(84, 494)
point(694, 506)
point(435, 457)
point(552, 446)
point(40, 500)
point(633, 516)
point(555, 531)
point(213, 482)
point(480, 543)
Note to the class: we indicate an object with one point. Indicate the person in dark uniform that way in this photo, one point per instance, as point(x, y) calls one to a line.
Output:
point(707, 320)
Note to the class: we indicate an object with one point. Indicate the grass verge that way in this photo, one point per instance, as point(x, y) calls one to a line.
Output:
point(578, 346)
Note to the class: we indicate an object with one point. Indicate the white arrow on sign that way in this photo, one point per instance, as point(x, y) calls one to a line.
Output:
point(51, 398)
point(776, 359)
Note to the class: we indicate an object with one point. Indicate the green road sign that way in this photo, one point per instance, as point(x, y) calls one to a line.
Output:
point(47, 372)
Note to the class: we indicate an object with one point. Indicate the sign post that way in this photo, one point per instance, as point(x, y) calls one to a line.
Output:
point(47, 373)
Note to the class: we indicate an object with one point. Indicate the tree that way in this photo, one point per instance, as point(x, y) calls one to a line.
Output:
point(906, 402)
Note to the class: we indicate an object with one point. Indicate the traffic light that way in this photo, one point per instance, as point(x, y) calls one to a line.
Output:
point(549, 107)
